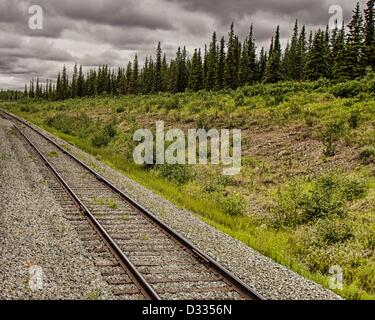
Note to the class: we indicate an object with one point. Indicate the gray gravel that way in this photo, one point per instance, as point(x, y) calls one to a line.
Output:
point(35, 235)
point(267, 277)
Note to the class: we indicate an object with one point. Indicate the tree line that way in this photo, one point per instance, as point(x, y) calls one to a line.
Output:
point(340, 54)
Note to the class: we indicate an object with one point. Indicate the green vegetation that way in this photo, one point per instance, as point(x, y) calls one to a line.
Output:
point(106, 202)
point(306, 193)
point(94, 295)
point(53, 154)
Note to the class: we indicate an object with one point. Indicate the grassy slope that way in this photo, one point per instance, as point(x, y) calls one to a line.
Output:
point(283, 128)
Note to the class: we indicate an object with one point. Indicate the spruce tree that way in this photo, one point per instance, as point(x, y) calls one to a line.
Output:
point(291, 64)
point(354, 58)
point(128, 77)
point(158, 79)
point(262, 65)
point(80, 83)
point(134, 82)
point(221, 65)
point(317, 65)
point(164, 73)
point(274, 67)
point(74, 82)
point(244, 65)
point(369, 31)
point(212, 64)
point(232, 61)
point(196, 73)
point(301, 56)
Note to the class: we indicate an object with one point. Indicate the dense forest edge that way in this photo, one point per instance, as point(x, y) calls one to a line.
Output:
point(340, 54)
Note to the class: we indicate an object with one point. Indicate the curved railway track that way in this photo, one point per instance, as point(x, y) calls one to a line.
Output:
point(139, 256)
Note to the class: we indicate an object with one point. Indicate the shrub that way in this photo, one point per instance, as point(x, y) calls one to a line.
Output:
point(295, 205)
point(177, 173)
point(346, 89)
point(354, 119)
point(355, 189)
point(25, 108)
point(170, 103)
point(120, 109)
point(233, 205)
point(333, 132)
point(367, 154)
point(324, 200)
point(110, 130)
point(239, 99)
point(100, 139)
point(310, 118)
point(334, 231)
point(70, 124)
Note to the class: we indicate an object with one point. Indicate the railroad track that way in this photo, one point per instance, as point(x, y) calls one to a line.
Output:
point(138, 255)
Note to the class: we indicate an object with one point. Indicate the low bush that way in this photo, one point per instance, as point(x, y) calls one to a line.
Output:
point(354, 120)
point(77, 125)
point(355, 188)
point(347, 89)
point(177, 173)
point(334, 231)
point(100, 139)
point(331, 135)
point(234, 205)
point(120, 109)
point(325, 198)
point(367, 154)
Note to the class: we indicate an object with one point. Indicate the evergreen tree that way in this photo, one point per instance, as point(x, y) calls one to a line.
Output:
point(274, 67)
point(128, 77)
point(248, 66)
point(37, 89)
point(64, 84)
point(158, 79)
point(231, 61)
point(369, 36)
point(317, 65)
point(221, 65)
point(134, 83)
point(181, 71)
point(286, 63)
point(301, 56)
point(353, 62)
point(164, 73)
point(262, 65)
point(295, 64)
point(80, 83)
point(196, 73)
point(59, 94)
point(212, 64)
point(74, 82)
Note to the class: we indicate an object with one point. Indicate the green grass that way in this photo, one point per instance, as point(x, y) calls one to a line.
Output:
point(110, 203)
point(53, 154)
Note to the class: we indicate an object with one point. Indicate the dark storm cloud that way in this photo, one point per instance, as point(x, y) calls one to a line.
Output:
point(310, 11)
point(131, 13)
point(40, 49)
point(93, 32)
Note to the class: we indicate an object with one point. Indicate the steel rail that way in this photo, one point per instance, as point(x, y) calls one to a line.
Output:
point(145, 288)
point(237, 283)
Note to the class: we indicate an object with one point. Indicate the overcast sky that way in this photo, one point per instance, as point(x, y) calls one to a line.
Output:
point(94, 32)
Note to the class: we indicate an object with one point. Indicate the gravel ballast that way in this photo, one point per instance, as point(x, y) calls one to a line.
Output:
point(267, 277)
point(41, 255)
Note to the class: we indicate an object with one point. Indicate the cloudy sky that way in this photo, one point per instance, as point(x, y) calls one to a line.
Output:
point(94, 32)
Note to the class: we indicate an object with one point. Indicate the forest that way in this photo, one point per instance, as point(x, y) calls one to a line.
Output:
point(339, 55)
